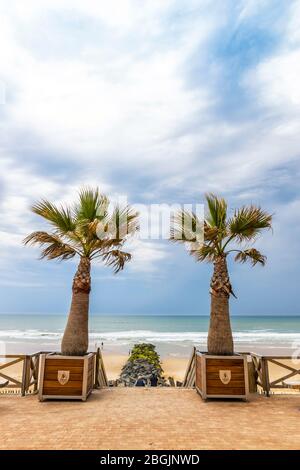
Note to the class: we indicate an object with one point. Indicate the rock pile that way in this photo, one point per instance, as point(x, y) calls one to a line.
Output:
point(143, 366)
point(139, 369)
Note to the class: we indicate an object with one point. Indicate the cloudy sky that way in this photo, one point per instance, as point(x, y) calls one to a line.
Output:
point(157, 101)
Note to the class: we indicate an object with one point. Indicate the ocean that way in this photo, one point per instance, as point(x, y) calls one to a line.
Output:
point(172, 335)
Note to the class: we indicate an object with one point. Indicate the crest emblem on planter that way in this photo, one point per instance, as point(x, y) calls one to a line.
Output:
point(225, 376)
point(63, 376)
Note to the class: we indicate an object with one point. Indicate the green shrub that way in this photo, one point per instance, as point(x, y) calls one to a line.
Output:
point(146, 352)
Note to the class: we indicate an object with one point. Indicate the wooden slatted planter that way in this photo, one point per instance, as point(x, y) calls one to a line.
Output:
point(66, 377)
point(222, 376)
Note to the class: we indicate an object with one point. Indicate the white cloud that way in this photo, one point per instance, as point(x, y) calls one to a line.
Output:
point(116, 13)
point(249, 7)
point(293, 30)
point(79, 105)
point(146, 256)
point(277, 81)
point(83, 116)
point(282, 245)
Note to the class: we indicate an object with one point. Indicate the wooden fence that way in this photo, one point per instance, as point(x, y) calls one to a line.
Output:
point(25, 380)
point(267, 380)
point(260, 378)
point(190, 375)
point(100, 374)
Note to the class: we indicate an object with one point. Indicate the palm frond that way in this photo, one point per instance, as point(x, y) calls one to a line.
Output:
point(100, 246)
point(88, 229)
point(186, 227)
point(217, 211)
point(55, 248)
point(247, 222)
point(204, 253)
point(92, 206)
point(116, 259)
point(60, 217)
point(252, 255)
point(122, 223)
point(212, 234)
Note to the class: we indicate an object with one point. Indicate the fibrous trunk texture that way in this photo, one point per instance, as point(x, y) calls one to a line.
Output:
point(75, 340)
point(220, 340)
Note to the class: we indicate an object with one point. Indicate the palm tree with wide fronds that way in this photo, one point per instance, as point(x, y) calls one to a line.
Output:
point(223, 235)
point(90, 231)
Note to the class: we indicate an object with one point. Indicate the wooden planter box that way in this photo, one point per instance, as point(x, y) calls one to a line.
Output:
point(222, 376)
point(66, 377)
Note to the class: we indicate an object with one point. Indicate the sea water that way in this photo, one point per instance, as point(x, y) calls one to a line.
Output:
point(172, 335)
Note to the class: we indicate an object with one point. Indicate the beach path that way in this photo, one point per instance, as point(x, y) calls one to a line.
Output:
point(162, 418)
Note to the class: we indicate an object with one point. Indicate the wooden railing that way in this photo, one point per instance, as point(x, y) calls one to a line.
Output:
point(190, 375)
point(27, 380)
point(259, 371)
point(263, 376)
point(259, 374)
point(100, 374)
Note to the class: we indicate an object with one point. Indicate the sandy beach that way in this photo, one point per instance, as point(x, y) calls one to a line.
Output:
point(172, 366)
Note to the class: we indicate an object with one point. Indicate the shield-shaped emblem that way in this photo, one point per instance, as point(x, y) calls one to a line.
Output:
point(225, 376)
point(63, 376)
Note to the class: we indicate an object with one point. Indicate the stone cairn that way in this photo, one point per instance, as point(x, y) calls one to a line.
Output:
point(143, 364)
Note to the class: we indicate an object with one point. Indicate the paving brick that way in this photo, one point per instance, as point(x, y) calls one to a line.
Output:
point(123, 418)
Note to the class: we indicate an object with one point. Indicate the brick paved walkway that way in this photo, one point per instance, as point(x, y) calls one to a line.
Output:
point(149, 419)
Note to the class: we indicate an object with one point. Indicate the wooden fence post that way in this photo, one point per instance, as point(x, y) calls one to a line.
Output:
point(24, 376)
point(189, 378)
point(252, 374)
point(36, 364)
point(265, 376)
point(97, 360)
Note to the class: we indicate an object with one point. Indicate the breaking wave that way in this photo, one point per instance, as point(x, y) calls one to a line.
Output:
point(124, 337)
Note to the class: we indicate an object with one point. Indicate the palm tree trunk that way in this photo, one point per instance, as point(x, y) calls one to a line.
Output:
point(75, 340)
point(220, 340)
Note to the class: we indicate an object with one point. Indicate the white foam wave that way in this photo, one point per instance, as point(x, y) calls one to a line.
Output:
point(249, 336)
point(29, 334)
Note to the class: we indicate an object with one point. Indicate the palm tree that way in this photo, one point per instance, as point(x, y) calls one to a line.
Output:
point(90, 231)
point(223, 235)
